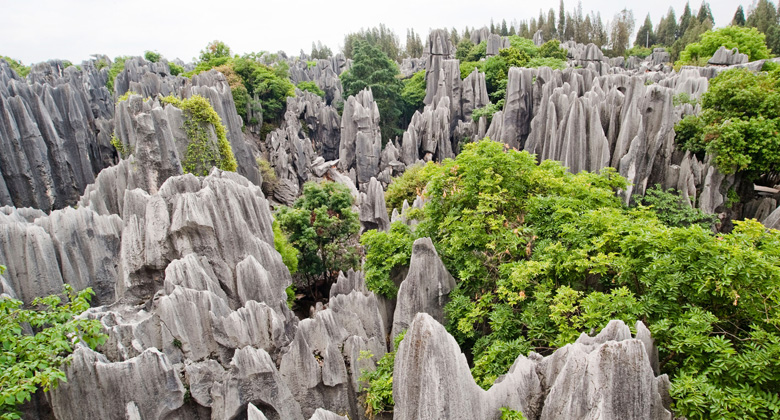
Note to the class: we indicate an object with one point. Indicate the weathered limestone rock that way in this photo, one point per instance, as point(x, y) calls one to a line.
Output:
point(290, 154)
point(316, 365)
point(321, 414)
point(98, 389)
point(74, 246)
point(725, 57)
point(425, 289)
point(48, 136)
point(410, 66)
point(253, 378)
point(608, 377)
point(361, 141)
point(373, 210)
point(437, 49)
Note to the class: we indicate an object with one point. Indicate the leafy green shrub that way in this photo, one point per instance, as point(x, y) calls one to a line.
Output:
point(552, 49)
point(17, 66)
point(270, 180)
point(408, 186)
point(214, 50)
point(486, 111)
point(126, 96)
point(310, 87)
point(748, 40)
point(116, 67)
point(524, 44)
point(379, 393)
point(672, 211)
point(152, 56)
point(509, 414)
point(739, 122)
point(123, 151)
point(386, 251)
point(288, 252)
point(553, 63)
point(638, 51)
point(373, 69)
point(413, 93)
point(477, 52)
point(30, 362)
point(269, 84)
point(175, 68)
point(323, 228)
point(463, 48)
point(202, 154)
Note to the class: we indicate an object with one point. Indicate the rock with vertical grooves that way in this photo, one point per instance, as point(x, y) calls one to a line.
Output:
point(253, 378)
point(437, 49)
point(373, 211)
point(361, 141)
point(425, 289)
point(97, 389)
point(725, 57)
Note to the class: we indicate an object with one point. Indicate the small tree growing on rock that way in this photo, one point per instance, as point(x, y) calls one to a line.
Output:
point(323, 228)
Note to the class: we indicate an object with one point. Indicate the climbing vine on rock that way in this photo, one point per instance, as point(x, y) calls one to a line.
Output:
point(202, 153)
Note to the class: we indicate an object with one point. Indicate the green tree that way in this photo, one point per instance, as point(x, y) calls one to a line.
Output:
point(685, 21)
point(666, 31)
point(764, 17)
point(215, 49)
point(622, 28)
point(645, 36)
point(152, 56)
point(371, 68)
point(269, 83)
point(739, 17)
point(739, 122)
point(38, 342)
point(322, 226)
point(414, 45)
point(464, 47)
point(380, 37)
point(312, 87)
point(412, 94)
point(748, 40)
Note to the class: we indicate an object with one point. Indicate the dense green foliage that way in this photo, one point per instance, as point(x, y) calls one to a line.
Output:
point(214, 50)
point(672, 211)
point(382, 38)
point(202, 154)
point(116, 67)
point(386, 251)
point(312, 87)
point(412, 94)
point(285, 249)
point(379, 393)
point(739, 122)
point(17, 66)
point(542, 255)
point(37, 342)
point(322, 226)
point(152, 56)
point(748, 40)
point(371, 68)
point(175, 69)
point(408, 186)
point(509, 414)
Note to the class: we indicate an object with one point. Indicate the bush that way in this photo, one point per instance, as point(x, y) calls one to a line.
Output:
point(34, 361)
point(739, 122)
point(202, 154)
point(310, 87)
point(268, 173)
point(215, 49)
point(552, 49)
point(379, 393)
point(175, 69)
point(673, 212)
point(486, 111)
point(408, 186)
point(322, 226)
point(413, 93)
point(17, 66)
point(386, 251)
point(288, 252)
point(152, 56)
point(748, 40)
point(116, 67)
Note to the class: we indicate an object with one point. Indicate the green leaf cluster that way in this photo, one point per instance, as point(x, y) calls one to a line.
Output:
point(386, 251)
point(739, 122)
point(37, 342)
point(408, 186)
point(749, 41)
point(413, 93)
point(152, 56)
point(371, 68)
point(322, 226)
point(672, 211)
point(202, 153)
point(288, 252)
point(17, 66)
point(379, 392)
point(312, 87)
point(116, 67)
point(541, 255)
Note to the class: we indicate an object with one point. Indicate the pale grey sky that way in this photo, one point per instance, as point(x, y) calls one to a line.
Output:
point(38, 30)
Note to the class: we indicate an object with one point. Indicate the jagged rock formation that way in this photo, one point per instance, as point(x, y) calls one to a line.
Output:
point(425, 289)
point(725, 57)
point(410, 66)
point(495, 43)
point(537, 38)
point(152, 79)
point(437, 49)
point(482, 34)
point(609, 376)
point(361, 141)
point(50, 134)
point(324, 74)
point(290, 153)
point(373, 211)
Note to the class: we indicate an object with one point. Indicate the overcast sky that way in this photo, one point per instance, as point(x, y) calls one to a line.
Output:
point(38, 30)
